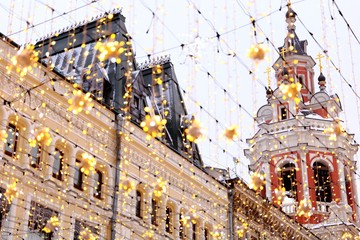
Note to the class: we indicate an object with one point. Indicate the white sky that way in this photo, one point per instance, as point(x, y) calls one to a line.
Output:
point(176, 23)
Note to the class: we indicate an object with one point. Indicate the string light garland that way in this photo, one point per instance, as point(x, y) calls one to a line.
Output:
point(11, 192)
point(111, 49)
point(52, 224)
point(86, 234)
point(88, 163)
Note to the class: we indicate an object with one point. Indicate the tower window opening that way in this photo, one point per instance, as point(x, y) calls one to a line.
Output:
point(283, 113)
point(322, 182)
point(287, 177)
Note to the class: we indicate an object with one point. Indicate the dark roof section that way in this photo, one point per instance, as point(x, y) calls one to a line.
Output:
point(106, 81)
point(175, 107)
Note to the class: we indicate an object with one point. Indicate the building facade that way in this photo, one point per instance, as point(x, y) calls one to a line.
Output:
point(302, 149)
point(68, 174)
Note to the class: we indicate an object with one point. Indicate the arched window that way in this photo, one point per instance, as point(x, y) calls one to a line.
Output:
point(35, 156)
point(322, 182)
point(78, 175)
point(98, 178)
point(169, 219)
point(138, 206)
point(12, 140)
point(194, 230)
point(154, 211)
point(287, 179)
point(58, 164)
point(181, 225)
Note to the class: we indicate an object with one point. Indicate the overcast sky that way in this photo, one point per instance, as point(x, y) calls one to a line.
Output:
point(207, 64)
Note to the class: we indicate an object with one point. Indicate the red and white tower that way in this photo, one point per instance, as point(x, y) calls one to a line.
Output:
point(301, 146)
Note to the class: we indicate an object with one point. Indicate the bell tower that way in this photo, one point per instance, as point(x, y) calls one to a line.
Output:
point(301, 147)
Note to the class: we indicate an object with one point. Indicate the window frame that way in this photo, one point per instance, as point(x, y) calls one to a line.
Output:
point(58, 174)
point(35, 160)
point(99, 182)
point(323, 194)
point(78, 179)
point(16, 133)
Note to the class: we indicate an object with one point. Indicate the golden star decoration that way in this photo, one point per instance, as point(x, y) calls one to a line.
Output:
point(111, 49)
point(80, 102)
point(42, 137)
point(291, 91)
point(347, 236)
point(334, 130)
point(52, 224)
point(3, 136)
point(257, 52)
point(194, 131)
point(231, 133)
point(153, 126)
point(160, 187)
point(25, 60)
point(305, 208)
point(86, 234)
point(88, 163)
point(280, 194)
point(127, 185)
point(11, 192)
point(257, 181)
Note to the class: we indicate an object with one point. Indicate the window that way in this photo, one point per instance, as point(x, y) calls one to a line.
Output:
point(4, 207)
point(58, 164)
point(283, 113)
point(181, 226)
point(80, 226)
point(168, 220)
point(38, 217)
point(322, 182)
point(138, 209)
point(194, 233)
point(12, 140)
point(78, 176)
point(287, 179)
point(348, 190)
point(206, 234)
point(98, 177)
point(154, 209)
point(35, 156)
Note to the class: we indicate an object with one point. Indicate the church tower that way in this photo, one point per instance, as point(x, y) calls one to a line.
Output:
point(301, 148)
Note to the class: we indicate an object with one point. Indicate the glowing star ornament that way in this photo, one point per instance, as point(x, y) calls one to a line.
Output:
point(347, 236)
point(231, 133)
point(52, 224)
point(334, 130)
point(11, 192)
point(153, 126)
point(86, 234)
point(280, 194)
point(88, 163)
point(291, 91)
point(257, 52)
point(42, 137)
point(194, 131)
point(257, 181)
point(25, 60)
point(3, 136)
point(80, 102)
point(111, 49)
point(305, 208)
point(160, 187)
point(127, 185)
